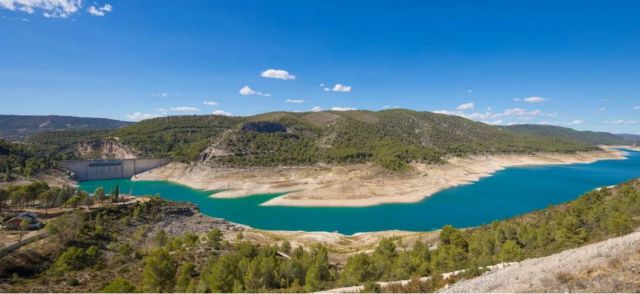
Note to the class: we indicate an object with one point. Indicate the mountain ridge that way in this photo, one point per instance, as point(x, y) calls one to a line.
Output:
point(20, 127)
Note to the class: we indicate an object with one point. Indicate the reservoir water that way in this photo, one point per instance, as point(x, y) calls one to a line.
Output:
point(507, 193)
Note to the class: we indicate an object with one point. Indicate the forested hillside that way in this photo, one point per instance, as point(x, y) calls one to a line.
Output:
point(22, 160)
point(391, 138)
point(19, 127)
point(634, 139)
point(587, 137)
point(116, 249)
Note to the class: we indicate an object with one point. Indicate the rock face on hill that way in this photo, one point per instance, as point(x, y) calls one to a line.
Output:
point(104, 149)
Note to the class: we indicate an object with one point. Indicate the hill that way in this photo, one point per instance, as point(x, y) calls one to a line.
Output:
point(391, 138)
point(632, 138)
point(19, 127)
point(17, 160)
point(588, 137)
point(159, 246)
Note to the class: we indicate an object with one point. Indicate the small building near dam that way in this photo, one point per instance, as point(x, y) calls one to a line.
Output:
point(101, 169)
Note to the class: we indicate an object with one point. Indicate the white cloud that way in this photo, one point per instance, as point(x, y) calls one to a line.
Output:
point(534, 99)
point(340, 108)
point(574, 122)
point(516, 99)
point(210, 103)
point(316, 109)
point(294, 101)
point(447, 112)
point(469, 91)
point(341, 88)
point(637, 107)
point(162, 94)
point(222, 112)
point(490, 117)
point(184, 109)
point(621, 122)
point(277, 74)
point(602, 109)
point(390, 107)
point(246, 91)
point(465, 106)
point(138, 116)
point(99, 11)
point(49, 8)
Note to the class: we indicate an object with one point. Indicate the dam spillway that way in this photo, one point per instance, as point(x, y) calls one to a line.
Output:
point(101, 169)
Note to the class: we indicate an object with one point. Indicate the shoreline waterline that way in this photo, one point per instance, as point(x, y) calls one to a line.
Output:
point(507, 193)
point(359, 185)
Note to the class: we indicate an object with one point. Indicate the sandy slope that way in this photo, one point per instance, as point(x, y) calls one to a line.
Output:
point(570, 270)
point(355, 185)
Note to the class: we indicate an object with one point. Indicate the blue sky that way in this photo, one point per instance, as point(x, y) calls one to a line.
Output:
point(570, 63)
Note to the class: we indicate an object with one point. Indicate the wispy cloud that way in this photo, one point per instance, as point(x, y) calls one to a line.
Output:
point(294, 101)
point(534, 99)
point(341, 88)
point(491, 117)
point(222, 112)
point(99, 10)
point(316, 109)
point(637, 107)
point(621, 122)
point(340, 108)
point(210, 103)
point(138, 116)
point(336, 88)
point(54, 8)
point(465, 106)
point(280, 74)
point(247, 91)
point(184, 109)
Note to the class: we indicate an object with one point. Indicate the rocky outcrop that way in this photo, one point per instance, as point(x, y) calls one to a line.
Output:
point(264, 127)
point(104, 149)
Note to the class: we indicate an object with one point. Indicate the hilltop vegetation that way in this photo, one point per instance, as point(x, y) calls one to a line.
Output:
point(588, 137)
point(391, 138)
point(112, 249)
point(22, 160)
point(19, 127)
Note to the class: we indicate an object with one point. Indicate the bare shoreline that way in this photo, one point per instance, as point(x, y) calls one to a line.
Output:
point(356, 185)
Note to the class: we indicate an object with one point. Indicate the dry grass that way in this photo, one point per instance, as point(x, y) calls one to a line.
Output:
point(619, 274)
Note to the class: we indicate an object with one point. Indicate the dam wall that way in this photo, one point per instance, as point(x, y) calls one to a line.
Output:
point(85, 170)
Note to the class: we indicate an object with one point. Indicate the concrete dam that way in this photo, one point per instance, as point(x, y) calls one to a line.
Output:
point(85, 170)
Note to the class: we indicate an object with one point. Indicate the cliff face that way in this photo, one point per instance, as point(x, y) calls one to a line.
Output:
point(104, 149)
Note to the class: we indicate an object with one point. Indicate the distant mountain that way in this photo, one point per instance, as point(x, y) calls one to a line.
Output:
point(588, 137)
point(19, 127)
point(390, 138)
point(632, 138)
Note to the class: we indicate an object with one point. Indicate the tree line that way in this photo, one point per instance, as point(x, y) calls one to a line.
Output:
point(40, 195)
point(217, 262)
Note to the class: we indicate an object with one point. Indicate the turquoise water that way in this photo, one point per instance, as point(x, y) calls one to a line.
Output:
point(505, 194)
